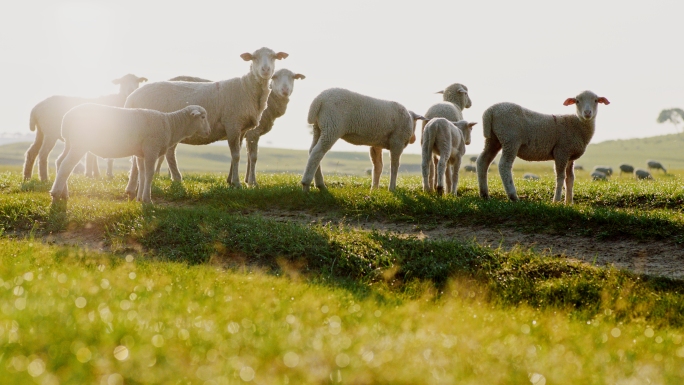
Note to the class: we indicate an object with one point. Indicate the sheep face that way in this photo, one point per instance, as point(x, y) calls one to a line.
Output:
point(457, 94)
point(199, 120)
point(587, 104)
point(263, 61)
point(128, 83)
point(466, 128)
point(282, 82)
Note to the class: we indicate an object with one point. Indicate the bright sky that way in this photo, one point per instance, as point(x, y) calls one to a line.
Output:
point(534, 53)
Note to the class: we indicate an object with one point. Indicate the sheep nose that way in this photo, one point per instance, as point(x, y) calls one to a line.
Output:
point(285, 91)
point(587, 113)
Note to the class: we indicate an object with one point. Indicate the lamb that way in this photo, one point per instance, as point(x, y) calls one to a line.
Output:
point(533, 136)
point(640, 173)
point(113, 132)
point(362, 120)
point(654, 164)
point(46, 119)
point(604, 169)
point(626, 168)
point(455, 100)
point(234, 105)
point(530, 176)
point(447, 140)
point(598, 175)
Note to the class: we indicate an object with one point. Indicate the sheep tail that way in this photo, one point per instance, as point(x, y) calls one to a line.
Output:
point(33, 121)
point(487, 121)
point(314, 109)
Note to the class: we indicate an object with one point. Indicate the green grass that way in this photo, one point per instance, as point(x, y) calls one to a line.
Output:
point(219, 289)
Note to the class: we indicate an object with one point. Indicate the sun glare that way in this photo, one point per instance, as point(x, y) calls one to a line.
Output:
point(86, 39)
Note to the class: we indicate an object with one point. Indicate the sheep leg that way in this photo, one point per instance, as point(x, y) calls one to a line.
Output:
point(48, 145)
point(252, 152)
point(561, 164)
point(442, 168)
point(132, 186)
point(506, 171)
point(160, 161)
point(395, 155)
point(70, 157)
point(376, 159)
point(110, 168)
point(171, 163)
point(31, 155)
point(319, 148)
point(447, 176)
point(141, 178)
point(492, 147)
point(426, 168)
point(148, 176)
point(92, 168)
point(234, 142)
point(569, 182)
point(454, 175)
point(433, 167)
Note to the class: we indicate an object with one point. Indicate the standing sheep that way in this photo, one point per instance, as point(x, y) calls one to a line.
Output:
point(455, 100)
point(533, 136)
point(640, 173)
point(234, 105)
point(604, 169)
point(469, 168)
point(362, 120)
point(654, 164)
point(448, 140)
point(46, 119)
point(112, 132)
point(626, 168)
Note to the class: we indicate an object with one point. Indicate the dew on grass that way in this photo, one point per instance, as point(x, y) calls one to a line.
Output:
point(115, 379)
point(80, 302)
point(537, 379)
point(377, 313)
point(324, 309)
point(132, 275)
point(62, 278)
point(615, 332)
point(525, 329)
point(83, 355)
point(247, 373)
point(659, 340)
point(290, 319)
point(104, 284)
point(120, 352)
point(18, 291)
point(342, 360)
point(649, 332)
point(28, 276)
point(20, 303)
point(129, 258)
point(183, 334)
point(36, 367)
point(291, 359)
point(19, 362)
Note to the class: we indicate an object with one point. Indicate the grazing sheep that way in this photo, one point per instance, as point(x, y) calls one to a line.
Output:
point(530, 176)
point(640, 173)
point(455, 100)
point(598, 175)
point(113, 132)
point(533, 136)
point(626, 168)
point(234, 105)
point(447, 140)
point(604, 169)
point(654, 164)
point(579, 167)
point(362, 120)
point(46, 119)
point(473, 159)
point(469, 168)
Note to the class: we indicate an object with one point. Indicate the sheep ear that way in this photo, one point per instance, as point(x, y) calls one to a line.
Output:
point(281, 55)
point(569, 101)
point(440, 92)
point(299, 76)
point(413, 139)
point(247, 56)
point(195, 112)
point(603, 100)
point(141, 80)
point(472, 124)
point(116, 81)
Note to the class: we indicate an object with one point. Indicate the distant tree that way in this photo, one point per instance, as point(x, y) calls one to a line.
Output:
point(673, 115)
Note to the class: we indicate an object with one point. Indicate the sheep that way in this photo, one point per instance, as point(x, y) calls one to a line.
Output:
point(448, 140)
point(113, 132)
point(469, 168)
point(654, 164)
point(626, 168)
point(362, 120)
point(640, 173)
point(533, 136)
point(195, 79)
point(598, 175)
point(579, 167)
point(473, 159)
point(455, 100)
point(604, 169)
point(234, 105)
point(530, 176)
point(46, 119)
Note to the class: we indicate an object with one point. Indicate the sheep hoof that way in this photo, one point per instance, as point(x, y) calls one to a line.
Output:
point(513, 198)
point(305, 187)
point(440, 191)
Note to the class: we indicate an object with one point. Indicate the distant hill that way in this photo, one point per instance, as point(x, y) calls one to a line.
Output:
point(668, 149)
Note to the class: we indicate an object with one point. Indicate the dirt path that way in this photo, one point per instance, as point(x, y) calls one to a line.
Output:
point(664, 258)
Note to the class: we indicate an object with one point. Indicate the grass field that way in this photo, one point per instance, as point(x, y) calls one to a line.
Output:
point(213, 285)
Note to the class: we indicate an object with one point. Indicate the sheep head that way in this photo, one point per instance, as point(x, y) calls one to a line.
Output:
point(128, 83)
point(282, 82)
point(457, 94)
point(587, 104)
point(263, 61)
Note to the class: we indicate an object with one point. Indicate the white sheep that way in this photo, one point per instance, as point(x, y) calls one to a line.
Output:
point(234, 106)
point(598, 175)
point(626, 168)
point(362, 120)
point(640, 173)
point(447, 140)
point(46, 120)
point(530, 176)
point(533, 136)
point(455, 99)
point(113, 132)
point(604, 169)
point(654, 164)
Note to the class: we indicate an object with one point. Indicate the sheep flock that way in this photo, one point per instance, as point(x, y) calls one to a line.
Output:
point(147, 122)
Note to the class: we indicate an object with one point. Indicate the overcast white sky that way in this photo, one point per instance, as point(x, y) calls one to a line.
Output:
point(534, 53)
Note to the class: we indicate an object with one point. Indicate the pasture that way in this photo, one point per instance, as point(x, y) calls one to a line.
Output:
point(213, 285)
